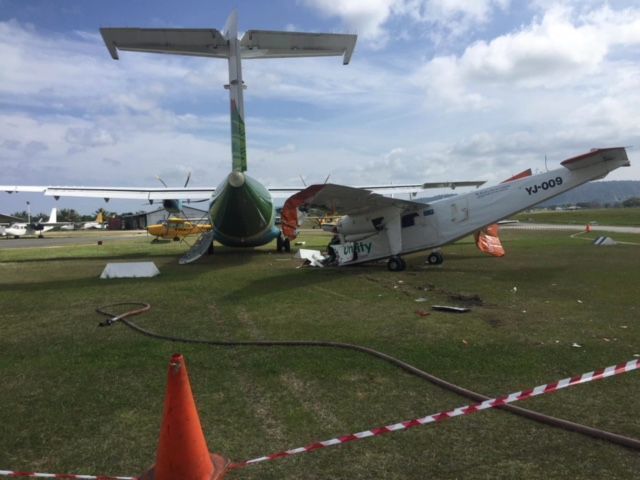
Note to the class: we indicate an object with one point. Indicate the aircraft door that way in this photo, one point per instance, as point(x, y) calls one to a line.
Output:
point(460, 210)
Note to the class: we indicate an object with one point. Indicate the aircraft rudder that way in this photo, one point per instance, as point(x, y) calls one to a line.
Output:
point(53, 217)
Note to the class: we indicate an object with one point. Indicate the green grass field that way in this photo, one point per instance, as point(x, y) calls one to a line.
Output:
point(605, 216)
point(78, 398)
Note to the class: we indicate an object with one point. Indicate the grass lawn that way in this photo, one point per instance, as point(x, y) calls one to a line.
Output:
point(605, 216)
point(78, 398)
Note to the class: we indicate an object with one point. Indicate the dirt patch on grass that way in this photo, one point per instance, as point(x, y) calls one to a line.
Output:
point(247, 322)
point(307, 395)
point(473, 300)
point(262, 408)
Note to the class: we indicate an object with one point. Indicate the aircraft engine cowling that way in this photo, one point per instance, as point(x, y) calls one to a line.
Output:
point(172, 206)
point(359, 225)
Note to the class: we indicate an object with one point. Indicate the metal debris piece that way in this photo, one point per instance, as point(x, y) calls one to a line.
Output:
point(451, 309)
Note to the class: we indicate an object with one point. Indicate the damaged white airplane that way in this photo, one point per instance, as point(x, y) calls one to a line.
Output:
point(376, 227)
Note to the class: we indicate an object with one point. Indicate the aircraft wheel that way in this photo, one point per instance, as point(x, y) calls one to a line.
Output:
point(210, 249)
point(279, 243)
point(435, 258)
point(396, 264)
point(286, 245)
point(176, 239)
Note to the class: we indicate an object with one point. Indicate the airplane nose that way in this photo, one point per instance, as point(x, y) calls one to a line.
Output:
point(236, 179)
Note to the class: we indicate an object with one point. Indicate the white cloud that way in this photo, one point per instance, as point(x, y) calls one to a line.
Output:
point(563, 82)
point(366, 16)
point(451, 17)
point(555, 51)
point(369, 17)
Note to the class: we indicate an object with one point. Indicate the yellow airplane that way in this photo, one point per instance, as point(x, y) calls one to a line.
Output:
point(175, 228)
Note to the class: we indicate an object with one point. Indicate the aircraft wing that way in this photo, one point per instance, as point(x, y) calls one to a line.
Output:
point(204, 193)
point(413, 189)
point(345, 200)
point(18, 188)
point(192, 193)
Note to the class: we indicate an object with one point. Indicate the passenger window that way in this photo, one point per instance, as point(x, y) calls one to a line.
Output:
point(409, 220)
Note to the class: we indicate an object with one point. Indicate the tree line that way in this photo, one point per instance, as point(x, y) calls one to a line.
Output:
point(69, 215)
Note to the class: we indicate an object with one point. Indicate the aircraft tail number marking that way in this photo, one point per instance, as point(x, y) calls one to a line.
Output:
point(546, 185)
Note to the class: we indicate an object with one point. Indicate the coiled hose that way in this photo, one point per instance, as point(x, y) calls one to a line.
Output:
point(621, 440)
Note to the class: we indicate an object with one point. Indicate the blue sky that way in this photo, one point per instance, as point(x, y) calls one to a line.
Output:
point(436, 90)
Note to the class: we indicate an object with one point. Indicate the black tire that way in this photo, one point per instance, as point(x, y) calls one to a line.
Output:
point(435, 258)
point(210, 249)
point(396, 264)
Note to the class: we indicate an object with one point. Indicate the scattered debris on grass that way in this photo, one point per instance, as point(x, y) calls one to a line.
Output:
point(313, 258)
point(576, 345)
point(604, 241)
point(451, 309)
point(422, 313)
point(421, 299)
point(514, 289)
point(469, 300)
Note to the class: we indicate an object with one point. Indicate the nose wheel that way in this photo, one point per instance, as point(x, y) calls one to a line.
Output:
point(396, 264)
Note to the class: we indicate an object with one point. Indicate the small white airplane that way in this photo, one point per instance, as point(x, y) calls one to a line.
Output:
point(376, 227)
point(20, 229)
point(98, 224)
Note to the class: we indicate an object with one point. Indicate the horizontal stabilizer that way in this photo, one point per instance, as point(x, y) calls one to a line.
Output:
point(208, 42)
point(270, 44)
point(201, 42)
point(616, 155)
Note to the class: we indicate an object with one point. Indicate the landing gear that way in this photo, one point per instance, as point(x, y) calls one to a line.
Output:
point(210, 249)
point(396, 264)
point(435, 258)
point(283, 244)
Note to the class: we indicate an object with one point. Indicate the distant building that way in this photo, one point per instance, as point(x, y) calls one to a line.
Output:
point(9, 219)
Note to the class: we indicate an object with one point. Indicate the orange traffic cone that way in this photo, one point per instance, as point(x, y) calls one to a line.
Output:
point(587, 228)
point(182, 450)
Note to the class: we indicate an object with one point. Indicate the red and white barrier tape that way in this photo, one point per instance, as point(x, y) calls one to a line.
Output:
point(466, 410)
point(375, 432)
point(10, 473)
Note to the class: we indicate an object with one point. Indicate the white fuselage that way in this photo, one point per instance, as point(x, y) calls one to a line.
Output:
point(450, 219)
point(94, 225)
point(22, 229)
